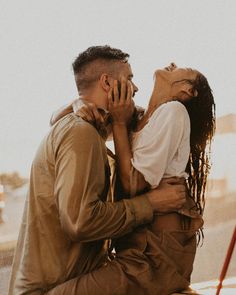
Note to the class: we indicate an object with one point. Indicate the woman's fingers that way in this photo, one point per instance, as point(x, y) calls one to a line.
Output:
point(129, 92)
point(85, 116)
point(110, 98)
point(174, 180)
point(120, 103)
point(78, 104)
point(87, 110)
point(123, 90)
point(116, 97)
point(97, 116)
point(89, 113)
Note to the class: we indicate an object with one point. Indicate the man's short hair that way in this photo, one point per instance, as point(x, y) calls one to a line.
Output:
point(94, 61)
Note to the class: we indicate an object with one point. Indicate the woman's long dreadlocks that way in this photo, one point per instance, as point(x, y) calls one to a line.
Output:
point(201, 110)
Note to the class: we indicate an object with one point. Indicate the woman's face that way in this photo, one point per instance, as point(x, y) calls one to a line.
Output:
point(173, 74)
point(176, 80)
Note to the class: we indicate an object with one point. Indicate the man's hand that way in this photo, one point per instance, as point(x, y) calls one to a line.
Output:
point(170, 195)
point(172, 180)
point(120, 103)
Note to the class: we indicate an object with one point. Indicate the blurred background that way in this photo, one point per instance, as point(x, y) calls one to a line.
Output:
point(39, 41)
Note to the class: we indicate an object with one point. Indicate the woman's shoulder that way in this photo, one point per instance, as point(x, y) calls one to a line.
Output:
point(175, 107)
point(169, 114)
point(173, 111)
point(170, 110)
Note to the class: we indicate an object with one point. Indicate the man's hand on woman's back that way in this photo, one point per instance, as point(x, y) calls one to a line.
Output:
point(169, 196)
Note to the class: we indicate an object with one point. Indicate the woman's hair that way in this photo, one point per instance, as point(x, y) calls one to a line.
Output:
point(201, 110)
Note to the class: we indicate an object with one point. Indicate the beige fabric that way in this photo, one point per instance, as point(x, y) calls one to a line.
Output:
point(146, 263)
point(188, 291)
point(155, 259)
point(66, 218)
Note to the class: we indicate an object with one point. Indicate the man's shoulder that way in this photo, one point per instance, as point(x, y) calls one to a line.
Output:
point(73, 123)
point(74, 127)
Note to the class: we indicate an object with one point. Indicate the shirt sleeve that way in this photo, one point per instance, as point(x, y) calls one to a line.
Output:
point(158, 142)
point(79, 184)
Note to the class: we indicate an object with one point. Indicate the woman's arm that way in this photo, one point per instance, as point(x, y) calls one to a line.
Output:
point(86, 110)
point(123, 156)
point(121, 110)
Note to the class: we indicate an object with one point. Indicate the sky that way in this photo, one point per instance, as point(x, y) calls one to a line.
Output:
point(40, 40)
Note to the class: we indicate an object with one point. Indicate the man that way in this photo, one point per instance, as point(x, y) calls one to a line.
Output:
point(67, 217)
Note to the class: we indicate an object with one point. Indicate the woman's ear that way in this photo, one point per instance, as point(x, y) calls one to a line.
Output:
point(188, 90)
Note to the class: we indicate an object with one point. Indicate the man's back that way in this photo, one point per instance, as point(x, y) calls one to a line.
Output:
point(49, 249)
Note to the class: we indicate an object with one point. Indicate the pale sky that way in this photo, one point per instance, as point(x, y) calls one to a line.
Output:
point(40, 39)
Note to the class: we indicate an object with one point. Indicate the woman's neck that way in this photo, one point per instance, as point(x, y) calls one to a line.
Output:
point(155, 101)
point(147, 114)
point(158, 97)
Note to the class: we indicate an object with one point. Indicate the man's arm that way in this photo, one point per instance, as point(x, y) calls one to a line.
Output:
point(79, 184)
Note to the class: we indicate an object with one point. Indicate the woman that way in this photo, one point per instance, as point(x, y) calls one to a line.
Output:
point(158, 259)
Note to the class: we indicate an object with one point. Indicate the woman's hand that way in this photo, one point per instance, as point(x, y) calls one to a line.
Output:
point(60, 113)
point(87, 111)
point(120, 103)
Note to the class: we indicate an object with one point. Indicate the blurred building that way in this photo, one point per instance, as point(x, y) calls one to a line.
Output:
point(223, 173)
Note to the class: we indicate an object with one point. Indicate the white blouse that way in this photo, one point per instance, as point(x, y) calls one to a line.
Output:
point(161, 149)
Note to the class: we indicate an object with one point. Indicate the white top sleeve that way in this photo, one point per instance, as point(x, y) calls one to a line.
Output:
point(163, 144)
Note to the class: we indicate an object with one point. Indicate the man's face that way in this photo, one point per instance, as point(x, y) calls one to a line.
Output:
point(125, 71)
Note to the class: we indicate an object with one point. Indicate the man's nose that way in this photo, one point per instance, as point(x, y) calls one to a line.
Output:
point(135, 88)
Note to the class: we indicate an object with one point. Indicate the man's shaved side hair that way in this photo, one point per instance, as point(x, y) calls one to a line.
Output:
point(95, 61)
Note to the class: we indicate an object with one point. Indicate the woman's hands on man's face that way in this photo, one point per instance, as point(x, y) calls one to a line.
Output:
point(120, 103)
point(120, 106)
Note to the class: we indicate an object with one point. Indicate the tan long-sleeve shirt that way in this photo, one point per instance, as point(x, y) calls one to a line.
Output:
point(67, 217)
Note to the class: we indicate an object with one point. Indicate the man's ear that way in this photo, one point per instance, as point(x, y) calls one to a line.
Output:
point(105, 82)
